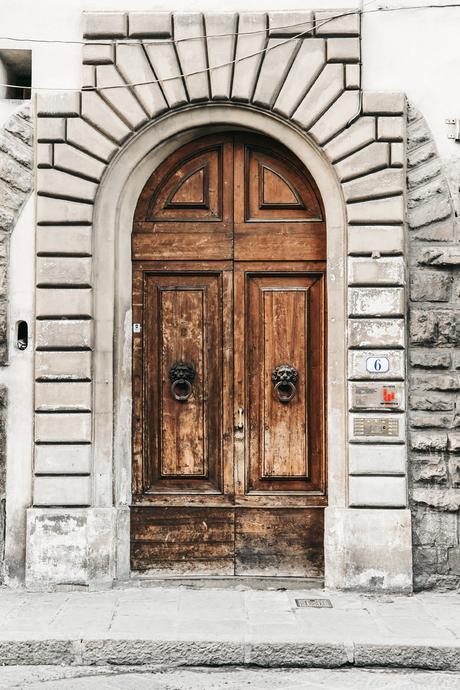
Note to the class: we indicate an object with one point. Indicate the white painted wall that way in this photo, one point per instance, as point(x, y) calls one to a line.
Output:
point(18, 377)
point(415, 50)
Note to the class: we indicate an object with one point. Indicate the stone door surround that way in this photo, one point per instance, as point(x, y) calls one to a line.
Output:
point(302, 89)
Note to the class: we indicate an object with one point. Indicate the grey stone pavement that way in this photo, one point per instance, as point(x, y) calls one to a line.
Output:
point(173, 627)
point(104, 678)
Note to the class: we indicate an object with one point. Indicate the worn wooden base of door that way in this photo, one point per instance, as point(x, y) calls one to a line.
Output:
point(227, 541)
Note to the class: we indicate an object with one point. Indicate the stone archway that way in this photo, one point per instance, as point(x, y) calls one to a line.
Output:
point(83, 248)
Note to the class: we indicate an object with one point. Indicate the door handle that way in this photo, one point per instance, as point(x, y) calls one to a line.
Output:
point(182, 376)
point(285, 378)
point(239, 426)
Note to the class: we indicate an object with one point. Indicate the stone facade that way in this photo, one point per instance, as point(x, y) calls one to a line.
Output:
point(434, 363)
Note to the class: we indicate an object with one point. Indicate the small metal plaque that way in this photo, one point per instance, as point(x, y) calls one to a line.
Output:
point(137, 327)
point(375, 426)
point(374, 395)
point(314, 603)
point(377, 365)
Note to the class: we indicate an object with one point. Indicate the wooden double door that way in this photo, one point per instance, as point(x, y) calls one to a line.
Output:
point(229, 474)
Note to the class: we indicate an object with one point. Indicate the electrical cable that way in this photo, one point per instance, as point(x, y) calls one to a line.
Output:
point(220, 66)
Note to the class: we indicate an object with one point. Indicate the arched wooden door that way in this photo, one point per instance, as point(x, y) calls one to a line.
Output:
point(229, 461)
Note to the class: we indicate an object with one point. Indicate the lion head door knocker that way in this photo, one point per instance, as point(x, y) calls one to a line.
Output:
point(182, 376)
point(285, 379)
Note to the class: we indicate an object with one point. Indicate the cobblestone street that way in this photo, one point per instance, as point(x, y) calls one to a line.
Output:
point(106, 678)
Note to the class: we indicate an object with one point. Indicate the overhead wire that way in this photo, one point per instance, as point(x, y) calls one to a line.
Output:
point(268, 48)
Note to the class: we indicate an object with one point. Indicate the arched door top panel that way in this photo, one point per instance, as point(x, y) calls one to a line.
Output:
point(229, 196)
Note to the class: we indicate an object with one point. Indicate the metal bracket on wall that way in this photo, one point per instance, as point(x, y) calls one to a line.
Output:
point(453, 128)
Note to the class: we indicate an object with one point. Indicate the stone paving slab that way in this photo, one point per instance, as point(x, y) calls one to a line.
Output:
point(188, 627)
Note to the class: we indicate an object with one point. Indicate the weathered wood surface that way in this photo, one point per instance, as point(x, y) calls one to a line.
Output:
point(229, 249)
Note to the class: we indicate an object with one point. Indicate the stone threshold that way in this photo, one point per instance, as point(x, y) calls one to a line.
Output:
point(219, 582)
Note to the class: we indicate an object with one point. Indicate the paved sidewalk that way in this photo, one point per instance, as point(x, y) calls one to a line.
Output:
point(212, 627)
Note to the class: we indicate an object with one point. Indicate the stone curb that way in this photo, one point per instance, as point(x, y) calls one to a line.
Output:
point(264, 654)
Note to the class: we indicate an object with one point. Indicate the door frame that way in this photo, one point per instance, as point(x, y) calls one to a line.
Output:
point(112, 402)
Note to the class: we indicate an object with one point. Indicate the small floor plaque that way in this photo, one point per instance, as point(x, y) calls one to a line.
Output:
point(314, 603)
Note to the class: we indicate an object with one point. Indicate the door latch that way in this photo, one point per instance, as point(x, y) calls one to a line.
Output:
point(240, 420)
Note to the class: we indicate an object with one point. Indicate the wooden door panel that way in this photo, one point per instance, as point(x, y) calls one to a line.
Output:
point(284, 326)
point(183, 541)
point(181, 448)
point(279, 542)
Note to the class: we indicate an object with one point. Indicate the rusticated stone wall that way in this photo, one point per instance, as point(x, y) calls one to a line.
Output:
point(434, 362)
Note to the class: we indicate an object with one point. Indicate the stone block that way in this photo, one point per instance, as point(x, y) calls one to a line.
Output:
point(437, 382)
point(378, 333)
point(50, 129)
point(62, 491)
point(86, 137)
point(430, 359)
point(72, 160)
point(397, 155)
point(188, 28)
point(133, 65)
point(101, 115)
point(377, 492)
point(337, 23)
point(445, 500)
point(150, 24)
point(376, 271)
point(357, 364)
point(421, 175)
point(376, 301)
point(367, 160)
point(390, 128)
point(69, 546)
point(430, 469)
point(336, 118)
point(121, 100)
point(63, 397)
point(57, 211)
point(356, 390)
point(454, 560)
point(421, 155)
point(352, 76)
point(54, 271)
point(371, 549)
point(306, 67)
point(428, 441)
point(395, 422)
point(343, 50)
point(58, 104)
point(67, 459)
point(430, 286)
point(105, 24)
point(434, 327)
point(163, 57)
point(418, 133)
point(98, 53)
point(383, 102)
point(219, 29)
point(44, 156)
point(88, 76)
point(61, 427)
point(439, 256)
point(420, 420)
point(61, 184)
point(443, 231)
point(431, 211)
point(63, 366)
point(454, 442)
point(279, 53)
point(390, 210)
point(58, 302)
point(64, 334)
point(325, 90)
point(366, 459)
point(290, 23)
point(250, 41)
point(386, 182)
point(375, 239)
point(61, 240)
